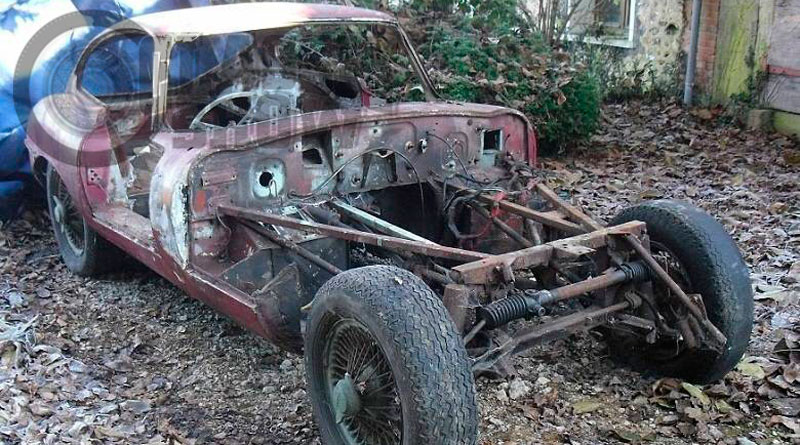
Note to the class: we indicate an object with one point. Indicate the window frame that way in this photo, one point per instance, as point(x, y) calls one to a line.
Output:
point(624, 13)
point(80, 67)
point(625, 39)
point(161, 76)
point(175, 85)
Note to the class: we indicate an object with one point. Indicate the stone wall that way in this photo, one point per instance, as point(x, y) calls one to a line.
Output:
point(660, 29)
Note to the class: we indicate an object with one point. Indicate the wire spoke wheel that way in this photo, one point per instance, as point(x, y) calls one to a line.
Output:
point(83, 250)
point(362, 389)
point(67, 217)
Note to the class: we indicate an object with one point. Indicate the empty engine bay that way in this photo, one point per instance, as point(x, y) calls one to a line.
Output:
point(383, 167)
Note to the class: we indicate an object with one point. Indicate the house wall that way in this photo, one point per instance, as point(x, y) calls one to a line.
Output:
point(660, 29)
point(655, 44)
point(782, 90)
point(747, 44)
point(743, 45)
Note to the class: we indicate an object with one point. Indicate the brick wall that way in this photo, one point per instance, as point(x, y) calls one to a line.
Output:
point(707, 48)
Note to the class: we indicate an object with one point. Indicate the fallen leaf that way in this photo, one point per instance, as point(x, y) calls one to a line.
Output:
point(780, 382)
point(723, 406)
point(778, 207)
point(697, 414)
point(626, 435)
point(136, 406)
point(792, 157)
point(787, 406)
point(43, 293)
point(696, 392)
point(703, 113)
point(791, 373)
point(110, 432)
point(776, 295)
point(561, 98)
point(793, 275)
point(768, 391)
point(586, 406)
point(753, 370)
point(787, 422)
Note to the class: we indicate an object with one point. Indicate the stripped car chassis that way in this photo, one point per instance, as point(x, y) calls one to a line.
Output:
point(486, 294)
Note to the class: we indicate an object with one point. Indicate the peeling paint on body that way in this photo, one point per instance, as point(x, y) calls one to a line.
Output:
point(169, 205)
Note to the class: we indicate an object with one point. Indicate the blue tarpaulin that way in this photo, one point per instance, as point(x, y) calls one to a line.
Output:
point(19, 21)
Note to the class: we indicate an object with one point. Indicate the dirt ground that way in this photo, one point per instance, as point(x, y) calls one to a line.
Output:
point(128, 358)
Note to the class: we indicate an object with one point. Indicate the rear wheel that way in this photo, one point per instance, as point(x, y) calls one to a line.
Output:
point(385, 363)
point(703, 259)
point(81, 248)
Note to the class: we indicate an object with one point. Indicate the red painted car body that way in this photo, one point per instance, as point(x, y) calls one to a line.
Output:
point(153, 190)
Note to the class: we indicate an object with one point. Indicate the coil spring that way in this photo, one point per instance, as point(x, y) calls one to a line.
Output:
point(636, 271)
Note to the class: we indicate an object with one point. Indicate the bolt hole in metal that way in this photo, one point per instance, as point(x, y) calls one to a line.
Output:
point(361, 387)
point(68, 218)
point(268, 179)
point(265, 179)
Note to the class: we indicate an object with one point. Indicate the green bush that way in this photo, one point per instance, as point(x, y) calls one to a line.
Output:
point(576, 119)
point(486, 51)
point(480, 60)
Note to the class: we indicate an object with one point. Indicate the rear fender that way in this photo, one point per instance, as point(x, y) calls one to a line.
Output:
point(50, 141)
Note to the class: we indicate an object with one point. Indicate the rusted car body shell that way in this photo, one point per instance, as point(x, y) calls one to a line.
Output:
point(182, 192)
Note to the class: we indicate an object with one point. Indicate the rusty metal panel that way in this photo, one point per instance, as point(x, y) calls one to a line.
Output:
point(461, 302)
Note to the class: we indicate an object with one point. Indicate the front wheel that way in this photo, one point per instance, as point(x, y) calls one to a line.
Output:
point(385, 363)
point(700, 255)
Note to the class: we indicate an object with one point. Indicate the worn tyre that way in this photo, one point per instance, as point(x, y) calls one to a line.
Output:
point(388, 313)
point(715, 269)
point(83, 251)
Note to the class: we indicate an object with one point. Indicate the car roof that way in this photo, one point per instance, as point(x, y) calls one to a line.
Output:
point(244, 17)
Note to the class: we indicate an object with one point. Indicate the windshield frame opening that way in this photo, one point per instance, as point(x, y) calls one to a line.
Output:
point(258, 36)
